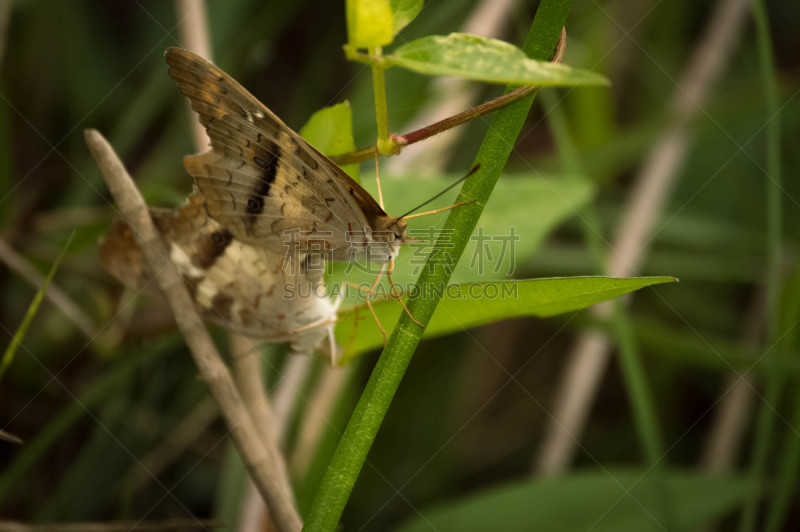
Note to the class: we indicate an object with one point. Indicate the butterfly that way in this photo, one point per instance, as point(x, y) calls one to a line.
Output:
point(267, 185)
point(244, 288)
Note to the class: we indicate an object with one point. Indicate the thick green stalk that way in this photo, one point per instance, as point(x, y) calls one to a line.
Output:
point(355, 444)
point(381, 109)
point(766, 415)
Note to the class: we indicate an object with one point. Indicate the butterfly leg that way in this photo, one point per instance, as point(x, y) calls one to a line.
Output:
point(367, 296)
point(335, 355)
point(397, 294)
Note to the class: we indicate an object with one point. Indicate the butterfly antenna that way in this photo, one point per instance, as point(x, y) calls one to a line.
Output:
point(406, 215)
point(378, 181)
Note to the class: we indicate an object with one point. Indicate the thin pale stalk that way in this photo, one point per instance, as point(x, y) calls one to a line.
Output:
point(259, 457)
point(168, 525)
point(193, 28)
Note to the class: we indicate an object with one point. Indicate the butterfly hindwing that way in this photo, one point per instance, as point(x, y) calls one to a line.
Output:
point(240, 287)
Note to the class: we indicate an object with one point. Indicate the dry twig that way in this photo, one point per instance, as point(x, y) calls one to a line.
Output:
point(260, 457)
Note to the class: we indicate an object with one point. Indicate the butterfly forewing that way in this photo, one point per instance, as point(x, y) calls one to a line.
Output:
point(262, 181)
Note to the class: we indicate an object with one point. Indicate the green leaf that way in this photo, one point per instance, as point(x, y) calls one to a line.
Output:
point(484, 59)
point(464, 306)
point(610, 500)
point(330, 130)
point(404, 12)
point(370, 23)
point(19, 334)
point(351, 453)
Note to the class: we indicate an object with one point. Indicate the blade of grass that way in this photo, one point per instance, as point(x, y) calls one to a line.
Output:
point(636, 383)
point(8, 355)
point(354, 446)
point(789, 459)
point(775, 381)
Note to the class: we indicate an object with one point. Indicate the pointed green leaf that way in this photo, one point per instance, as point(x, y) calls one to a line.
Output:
point(330, 130)
point(610, 500)
point(469, 305)
point(404, 12)
point(484, 59)
point(370, 23)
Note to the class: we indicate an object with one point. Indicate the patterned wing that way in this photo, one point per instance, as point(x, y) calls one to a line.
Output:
point(261, 178)
point(122, 258)
point(240, 287)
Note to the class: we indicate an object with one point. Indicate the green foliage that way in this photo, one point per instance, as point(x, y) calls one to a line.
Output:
point(609, 500)
point(370, 23)
point(465, 423)
point(464, 306)
point(363, 426)
point(330, 130)
point(404, 11)
point(484, 59)
point(22, 329)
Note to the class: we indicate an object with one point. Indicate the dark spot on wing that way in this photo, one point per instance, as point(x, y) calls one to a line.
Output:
point(262, 185)
point(211, 247)
point(221, 305)
point(255, 204)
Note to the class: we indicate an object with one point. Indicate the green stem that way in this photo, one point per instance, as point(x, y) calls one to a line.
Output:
point(766, 415)
point(400, 141)
point(636, 383)
point(19, 334)
point(789, 459)
point(381, 109)
point(338, 482)
point(644, 410)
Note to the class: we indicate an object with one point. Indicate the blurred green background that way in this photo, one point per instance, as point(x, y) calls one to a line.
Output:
point(91, 407)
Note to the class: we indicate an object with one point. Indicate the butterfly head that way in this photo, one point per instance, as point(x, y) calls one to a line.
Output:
point(389, 234)
point(398, 229)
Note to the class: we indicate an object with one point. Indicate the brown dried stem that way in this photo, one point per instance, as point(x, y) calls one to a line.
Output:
point(169, 525)
point(463, 117)
point(260, 457)
point(249, 378)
